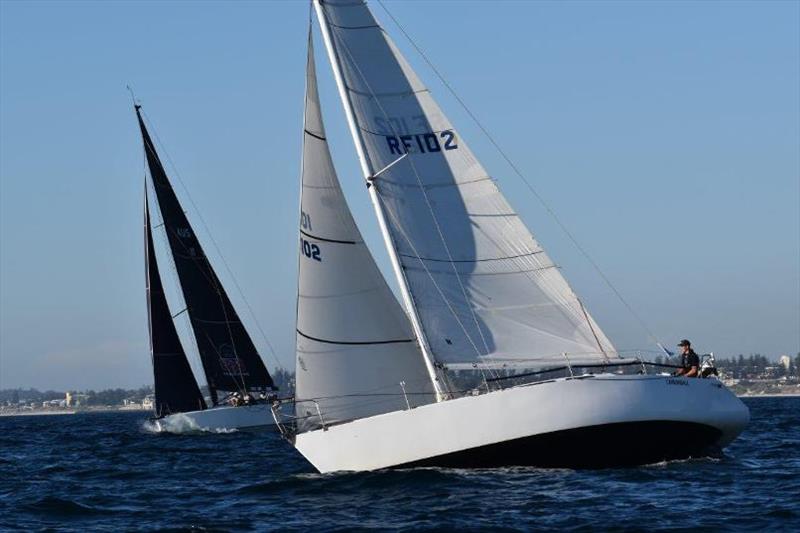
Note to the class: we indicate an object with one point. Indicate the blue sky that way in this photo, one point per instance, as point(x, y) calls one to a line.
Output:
point(666, 135)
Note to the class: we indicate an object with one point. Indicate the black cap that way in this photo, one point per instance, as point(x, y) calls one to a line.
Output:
point(685, 342)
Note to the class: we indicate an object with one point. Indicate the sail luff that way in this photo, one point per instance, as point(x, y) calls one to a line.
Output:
point(368, 171)
point(176, 389)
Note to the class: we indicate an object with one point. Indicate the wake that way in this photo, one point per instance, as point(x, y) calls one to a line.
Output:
point(179, 424)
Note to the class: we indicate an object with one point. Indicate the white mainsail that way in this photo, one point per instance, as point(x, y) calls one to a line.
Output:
point(356, 352)
point(482, 288)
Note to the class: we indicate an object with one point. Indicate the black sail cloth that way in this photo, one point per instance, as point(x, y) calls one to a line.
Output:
point(175, 387)
point(230, 360)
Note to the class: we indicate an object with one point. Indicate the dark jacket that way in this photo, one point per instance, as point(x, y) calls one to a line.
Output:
point(690, 359)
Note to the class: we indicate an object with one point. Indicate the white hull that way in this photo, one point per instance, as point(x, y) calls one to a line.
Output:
point(602, 420)
point(222, 418)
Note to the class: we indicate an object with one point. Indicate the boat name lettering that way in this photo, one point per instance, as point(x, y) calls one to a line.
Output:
point(678, 382)
point(421, 143)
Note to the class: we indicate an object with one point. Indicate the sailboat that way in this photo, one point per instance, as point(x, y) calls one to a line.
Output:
point(374, 381)
point(239, 384)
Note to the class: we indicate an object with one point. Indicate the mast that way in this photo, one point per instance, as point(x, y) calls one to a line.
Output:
point(376, 203)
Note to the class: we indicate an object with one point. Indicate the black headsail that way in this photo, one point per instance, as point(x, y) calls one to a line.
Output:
point(230, 360)
point(176, 388)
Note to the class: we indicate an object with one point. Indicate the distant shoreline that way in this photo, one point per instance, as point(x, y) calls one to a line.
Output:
point(53, 412)
point(787, 395)
point(37, 413)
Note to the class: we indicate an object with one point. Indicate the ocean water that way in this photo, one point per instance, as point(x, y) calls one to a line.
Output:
point(108, 472)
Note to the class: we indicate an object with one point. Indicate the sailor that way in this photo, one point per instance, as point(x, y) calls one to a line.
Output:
point(237, 400)
point(690, 361)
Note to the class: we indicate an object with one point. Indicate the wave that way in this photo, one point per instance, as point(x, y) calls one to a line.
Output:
point(55, 506)
point(179, 424)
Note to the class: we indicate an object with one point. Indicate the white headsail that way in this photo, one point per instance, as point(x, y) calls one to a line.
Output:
point(482, 289)
point(356, 351)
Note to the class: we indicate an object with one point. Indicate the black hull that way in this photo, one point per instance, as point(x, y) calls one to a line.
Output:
point(604, 446)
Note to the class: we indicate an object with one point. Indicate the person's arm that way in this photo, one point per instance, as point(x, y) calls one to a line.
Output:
point(693, 365)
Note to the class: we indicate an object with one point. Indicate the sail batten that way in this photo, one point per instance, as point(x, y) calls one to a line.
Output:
point(481, 287)
point(354, 345)
point(229, 357)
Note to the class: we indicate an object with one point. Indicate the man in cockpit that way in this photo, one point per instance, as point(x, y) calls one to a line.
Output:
point(690, 361)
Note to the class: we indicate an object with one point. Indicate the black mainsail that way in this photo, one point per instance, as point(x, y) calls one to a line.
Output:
point(175, 387)
point(229, 357)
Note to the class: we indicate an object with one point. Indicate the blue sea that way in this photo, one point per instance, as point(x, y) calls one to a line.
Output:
point(107, 471)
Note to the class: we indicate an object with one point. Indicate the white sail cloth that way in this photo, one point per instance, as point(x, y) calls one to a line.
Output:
point(356, 351)
point(482, 287)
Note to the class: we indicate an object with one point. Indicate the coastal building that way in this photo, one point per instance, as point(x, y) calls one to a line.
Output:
point(786, 362)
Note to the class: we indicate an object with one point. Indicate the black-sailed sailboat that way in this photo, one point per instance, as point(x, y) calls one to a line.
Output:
point(239, 383)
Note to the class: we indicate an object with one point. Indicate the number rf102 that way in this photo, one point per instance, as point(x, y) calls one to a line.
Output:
point(310, 250)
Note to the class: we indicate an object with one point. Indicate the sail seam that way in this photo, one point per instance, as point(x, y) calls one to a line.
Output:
point(205, 321)
point(472, 260)
point(475, 274)
point(323, 239)
point(387, 95)
point(320, 137)
point(353, 343)
point(362, 128)
point(366, 27)
point(439, 185)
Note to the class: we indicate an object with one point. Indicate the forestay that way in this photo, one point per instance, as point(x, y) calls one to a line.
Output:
point(483, 289)
point(356, 352)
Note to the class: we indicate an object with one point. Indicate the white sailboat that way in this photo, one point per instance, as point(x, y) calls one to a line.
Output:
point(479, 292)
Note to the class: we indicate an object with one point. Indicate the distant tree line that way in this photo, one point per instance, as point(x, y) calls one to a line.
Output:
point(283, 379)
point(756, 365)
point(86, 398)
point(29, 395)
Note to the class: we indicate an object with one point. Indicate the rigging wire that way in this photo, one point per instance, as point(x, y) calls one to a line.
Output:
point(519, 174)
point(216, 246)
